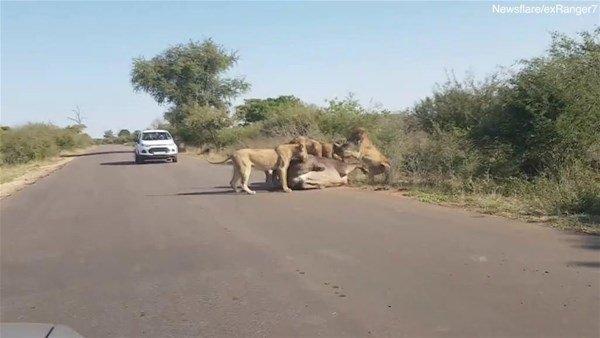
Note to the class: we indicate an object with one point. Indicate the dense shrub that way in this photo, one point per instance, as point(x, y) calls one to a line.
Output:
point(294, 120)
point(256, 110)
point(543, 117)
point(236, 135)
point(574, 189)
point(38, 141)
point(340, 117)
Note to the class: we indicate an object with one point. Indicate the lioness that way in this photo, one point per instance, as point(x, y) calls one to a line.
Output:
point(327, 149)
point(373, 161)
point(285, 153)
point(313, 147)
point(243, 161)
point(266, 160)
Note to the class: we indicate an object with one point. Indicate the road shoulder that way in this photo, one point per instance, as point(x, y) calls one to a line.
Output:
point(32, 172)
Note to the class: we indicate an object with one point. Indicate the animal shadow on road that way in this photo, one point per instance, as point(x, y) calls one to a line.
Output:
point(585, 264)
point(100, 153)
point(258, 187)
point(588, 242)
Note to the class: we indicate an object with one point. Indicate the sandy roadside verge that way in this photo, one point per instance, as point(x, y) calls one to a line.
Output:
point(37, 172)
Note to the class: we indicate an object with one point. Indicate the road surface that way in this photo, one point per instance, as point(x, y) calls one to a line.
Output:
point(113, 249)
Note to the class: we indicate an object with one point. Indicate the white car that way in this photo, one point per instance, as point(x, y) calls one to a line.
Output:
point(155, 144)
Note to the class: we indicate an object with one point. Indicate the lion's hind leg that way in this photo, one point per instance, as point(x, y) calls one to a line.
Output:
point(235, 179)
point(245, 172)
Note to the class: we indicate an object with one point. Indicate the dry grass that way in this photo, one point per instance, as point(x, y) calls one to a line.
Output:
point(14, 177)
point(514, 207)
point(510, 207)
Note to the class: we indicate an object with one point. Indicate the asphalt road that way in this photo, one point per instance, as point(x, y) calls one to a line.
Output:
point(113, 249)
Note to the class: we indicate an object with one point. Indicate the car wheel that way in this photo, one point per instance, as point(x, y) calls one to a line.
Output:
point(138, 159)
point(174, 159)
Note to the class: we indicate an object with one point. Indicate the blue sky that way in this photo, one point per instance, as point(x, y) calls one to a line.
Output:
point(59, 55)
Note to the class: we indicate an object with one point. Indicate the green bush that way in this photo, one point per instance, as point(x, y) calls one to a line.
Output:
point(38, 141)
point(541, 118)
point(236, 135)
point(197, 124)
point(291, 121)
point(256, 110)
point(341, 117)
point(433, 158)
point(575, 189)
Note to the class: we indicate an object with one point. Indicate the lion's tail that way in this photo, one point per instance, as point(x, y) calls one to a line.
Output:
point(219, 162)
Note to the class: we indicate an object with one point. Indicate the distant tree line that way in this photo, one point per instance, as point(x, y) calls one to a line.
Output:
point(122, 137)
point(39, 141)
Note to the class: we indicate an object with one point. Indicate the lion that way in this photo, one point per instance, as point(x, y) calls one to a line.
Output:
point(313, 147)
point(285, 154)
point(327, 149)
point(267, 160)
point(373, 161)
point(318, 148)
point(243, 161)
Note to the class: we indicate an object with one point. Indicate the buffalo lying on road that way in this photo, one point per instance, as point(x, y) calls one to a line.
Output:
point(318, 172)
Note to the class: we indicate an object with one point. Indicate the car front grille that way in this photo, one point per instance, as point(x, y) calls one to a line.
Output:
point(158, 150)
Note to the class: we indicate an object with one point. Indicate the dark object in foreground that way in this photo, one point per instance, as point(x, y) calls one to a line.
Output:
point(36, 330)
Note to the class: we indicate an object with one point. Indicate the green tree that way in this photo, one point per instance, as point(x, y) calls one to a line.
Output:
point(124, 134)
point(199, 124)
point(254, 110)
point(108, 134)
point(189, 73)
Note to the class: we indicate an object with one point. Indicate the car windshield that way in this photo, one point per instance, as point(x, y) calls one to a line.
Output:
point(154, 136)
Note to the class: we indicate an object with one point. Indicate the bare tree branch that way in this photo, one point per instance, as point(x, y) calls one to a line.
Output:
point(77, 117)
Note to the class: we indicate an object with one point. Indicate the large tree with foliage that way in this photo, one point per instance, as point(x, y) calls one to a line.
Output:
point(189, 73)
point(190, 77)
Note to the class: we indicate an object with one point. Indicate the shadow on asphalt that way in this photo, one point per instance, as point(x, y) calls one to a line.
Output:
point(100, 153)
point(585, 264)
point(200, 193)
point(589, 242)
point(133, 163)
point(118, 163)
point(258, 187)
